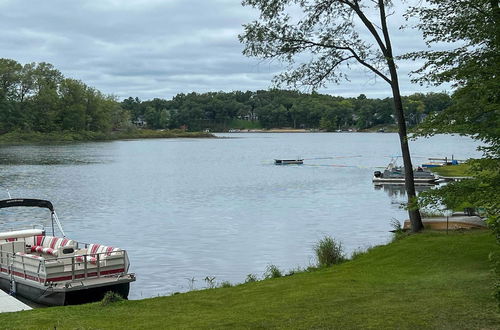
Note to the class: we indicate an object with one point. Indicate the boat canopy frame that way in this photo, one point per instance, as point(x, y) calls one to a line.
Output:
point(13, 202)
point(30, 202)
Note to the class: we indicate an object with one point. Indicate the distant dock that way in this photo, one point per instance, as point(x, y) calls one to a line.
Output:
point(11, 304)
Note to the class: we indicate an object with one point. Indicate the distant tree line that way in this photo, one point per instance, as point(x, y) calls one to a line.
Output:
point(37, 97)
point(278, 108)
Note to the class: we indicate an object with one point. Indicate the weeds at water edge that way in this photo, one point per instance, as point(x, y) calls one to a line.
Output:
point(272, 271)
point(329, 252)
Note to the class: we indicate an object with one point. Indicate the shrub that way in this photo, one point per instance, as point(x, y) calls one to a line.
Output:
point(328, 252)
point(210, 280)
point(111, 297)
point(251, 278)
point(225, 284)
point(272, 271)
point(397, 230)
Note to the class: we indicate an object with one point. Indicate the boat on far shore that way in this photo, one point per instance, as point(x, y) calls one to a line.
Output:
point(438, 162)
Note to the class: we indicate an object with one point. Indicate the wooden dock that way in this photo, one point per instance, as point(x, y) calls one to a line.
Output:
point(10, 304)
point(452, 223)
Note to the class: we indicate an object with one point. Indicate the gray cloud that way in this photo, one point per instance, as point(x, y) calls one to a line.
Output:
point(158, 48)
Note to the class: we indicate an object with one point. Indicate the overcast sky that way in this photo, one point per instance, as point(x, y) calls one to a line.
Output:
point(159, 48)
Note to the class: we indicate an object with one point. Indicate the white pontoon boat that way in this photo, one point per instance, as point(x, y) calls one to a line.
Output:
point(53, 270)
point(396, 175)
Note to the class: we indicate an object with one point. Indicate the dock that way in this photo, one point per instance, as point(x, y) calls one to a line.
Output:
point(454, 222)
point(10, 304)
point(454, 178)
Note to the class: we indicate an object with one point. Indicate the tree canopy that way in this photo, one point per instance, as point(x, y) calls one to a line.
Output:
point(472, 64)
point(37, 97)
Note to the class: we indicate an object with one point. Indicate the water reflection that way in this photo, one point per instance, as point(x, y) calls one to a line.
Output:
point(49, 155)
point(398, 190)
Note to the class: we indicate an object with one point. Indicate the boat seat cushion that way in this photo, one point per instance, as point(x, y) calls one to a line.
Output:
point(51, 245)
point(104, 252)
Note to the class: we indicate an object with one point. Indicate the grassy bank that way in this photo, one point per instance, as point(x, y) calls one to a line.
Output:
point(460, 170)
point(66, 136)
point(425, 281)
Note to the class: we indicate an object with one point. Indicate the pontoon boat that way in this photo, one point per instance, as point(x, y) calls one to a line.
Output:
point(55, 270)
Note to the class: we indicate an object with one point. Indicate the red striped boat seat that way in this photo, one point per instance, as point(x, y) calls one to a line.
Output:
point(51, 245)
point(97, 249)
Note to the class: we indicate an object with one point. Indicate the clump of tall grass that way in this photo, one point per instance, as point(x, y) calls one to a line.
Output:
point(251, 278)
point(110, 297)
point(225, 284)
point(272, 271)
point(210, 280)
point(397, 230)
point(296, 270)
point(329, 252)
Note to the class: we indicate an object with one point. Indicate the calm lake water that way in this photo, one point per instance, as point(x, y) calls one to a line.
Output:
point(192, 208)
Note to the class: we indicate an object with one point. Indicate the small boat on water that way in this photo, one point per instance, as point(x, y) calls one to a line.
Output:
point(288, 161)
point(55, 270)
point(396, 175)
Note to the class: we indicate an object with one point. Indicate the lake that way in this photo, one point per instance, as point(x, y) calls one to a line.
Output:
point(186, 209)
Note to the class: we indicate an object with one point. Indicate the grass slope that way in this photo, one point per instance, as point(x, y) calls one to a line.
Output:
point(453, 170)
point(425, 281)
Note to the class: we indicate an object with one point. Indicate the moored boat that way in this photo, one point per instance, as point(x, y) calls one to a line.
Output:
point(396, 175)
point(288, 161)
point(55, 270)
point(438, 162)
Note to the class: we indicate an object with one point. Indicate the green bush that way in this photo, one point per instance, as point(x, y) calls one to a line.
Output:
point(272, 271)
point(328, 252)
point(397, 230)
point(111, 297)
point(251, 278)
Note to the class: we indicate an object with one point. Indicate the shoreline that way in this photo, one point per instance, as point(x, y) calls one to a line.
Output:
point(20, 138)
point(378, 288)
point(304, 130)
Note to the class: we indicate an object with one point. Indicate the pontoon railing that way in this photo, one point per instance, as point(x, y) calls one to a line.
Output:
point(9, 264)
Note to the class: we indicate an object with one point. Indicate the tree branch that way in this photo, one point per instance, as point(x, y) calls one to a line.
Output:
point(345, 48)
point(369, 25)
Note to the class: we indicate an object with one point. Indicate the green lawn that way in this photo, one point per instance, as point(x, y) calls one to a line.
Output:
point(425, 281)
point(460, 170)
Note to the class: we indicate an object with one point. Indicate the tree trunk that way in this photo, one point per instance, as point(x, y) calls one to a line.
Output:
point(413, 211)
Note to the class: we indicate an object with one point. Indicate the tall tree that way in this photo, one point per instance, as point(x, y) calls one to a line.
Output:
point(331, 33)
point(472, 65)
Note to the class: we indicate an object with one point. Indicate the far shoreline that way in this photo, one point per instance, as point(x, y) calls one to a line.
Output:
point(304, 130)
point(20, 138)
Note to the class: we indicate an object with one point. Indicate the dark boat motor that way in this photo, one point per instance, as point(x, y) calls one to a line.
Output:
point(377, 174)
